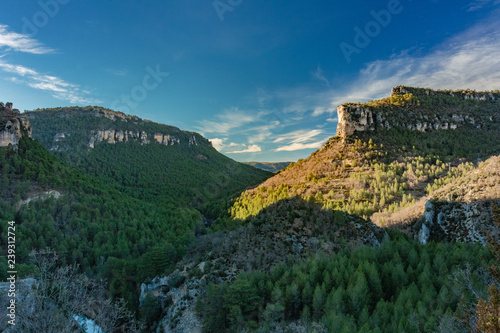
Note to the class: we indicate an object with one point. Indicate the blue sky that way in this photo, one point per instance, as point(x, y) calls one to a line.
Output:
point(261, 79)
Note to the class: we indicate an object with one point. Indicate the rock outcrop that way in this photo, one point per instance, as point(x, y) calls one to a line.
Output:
point(369, 117)
point(493, 96)
point(88, 126)
point(13, 126)
point(114, 136)
point(464, 210)
point(458, 221)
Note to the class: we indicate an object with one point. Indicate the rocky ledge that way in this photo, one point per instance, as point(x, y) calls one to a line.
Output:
point(413, 116)
point(13, 126)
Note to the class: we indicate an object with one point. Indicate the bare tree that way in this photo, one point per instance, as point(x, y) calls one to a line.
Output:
point(60, 293)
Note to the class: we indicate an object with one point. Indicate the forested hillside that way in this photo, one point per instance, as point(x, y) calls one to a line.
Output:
point(149, 161)
point(123, 211)
point(398, 150)
point(286, 261)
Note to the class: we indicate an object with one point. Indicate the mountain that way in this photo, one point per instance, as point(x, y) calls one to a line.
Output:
point(292, 256)
point(382, 229)
point(389, 153)
point(123, 209)
point(269, 166)
point(144, 159)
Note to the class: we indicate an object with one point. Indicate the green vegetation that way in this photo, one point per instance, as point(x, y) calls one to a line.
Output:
point(110, 234)
point(400, 286)
point(376, 187)
point(385, 170)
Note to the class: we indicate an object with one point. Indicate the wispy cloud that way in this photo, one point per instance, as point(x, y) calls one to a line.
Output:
point(478, 4)
point(228, 121)
point(470, 60)
point(298, 136)
point(59, 88)
point(20, 43)
point(248, 149)
point(318, 74)
point(301, 139)
point(117, 72)
point(300, 146)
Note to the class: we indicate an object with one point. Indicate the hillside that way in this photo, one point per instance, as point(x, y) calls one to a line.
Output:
point(389, 153)
point(142, 158)
point(123, 211)
point(280, 262)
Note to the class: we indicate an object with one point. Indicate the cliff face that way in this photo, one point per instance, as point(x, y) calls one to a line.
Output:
point(466, 209)
point(13, 126)
point(414, 109)
point(64, 127)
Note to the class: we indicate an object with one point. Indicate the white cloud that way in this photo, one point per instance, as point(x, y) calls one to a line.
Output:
point(21, 43)
point(469, 60)
point(299, 136)
point(318, 74)
point(301, 139)
point(478, 4)
point(300, 146)
point(229, 120)
point(59, 88)
point(259, 137)
point(249, 149)
point(117, 72)
point(218, 143)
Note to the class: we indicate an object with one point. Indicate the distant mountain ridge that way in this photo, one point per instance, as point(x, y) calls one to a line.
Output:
point(156, 154)
point(269, 166)
point(93, 125)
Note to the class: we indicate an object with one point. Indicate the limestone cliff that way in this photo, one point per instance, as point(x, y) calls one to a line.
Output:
point(13, 126)
point(414, 109)
point(61, 128)
point(465, 210)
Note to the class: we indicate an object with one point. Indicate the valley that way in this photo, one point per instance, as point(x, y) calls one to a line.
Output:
point(389, 226)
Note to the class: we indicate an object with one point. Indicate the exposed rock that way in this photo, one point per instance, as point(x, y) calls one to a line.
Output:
point(359, 117)
point(463, 210)
point(354, 118)
point(177, 299)
point(192, 141)
point(40, 196)
point(462, 94)
point(166, 139)
point(13, 126)
point(424, 234)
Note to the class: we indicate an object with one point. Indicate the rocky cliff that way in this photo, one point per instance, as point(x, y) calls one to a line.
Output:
point(13, 126)
point(61, 128)
point(457, 109)
point(466, 209)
